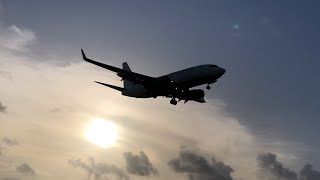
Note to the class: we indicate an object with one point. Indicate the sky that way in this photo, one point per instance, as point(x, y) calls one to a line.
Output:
point(260, 121)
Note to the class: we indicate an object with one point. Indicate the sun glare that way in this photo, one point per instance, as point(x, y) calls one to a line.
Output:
point(101, 132)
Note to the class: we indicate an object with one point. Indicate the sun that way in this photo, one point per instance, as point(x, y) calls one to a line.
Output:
point(101, 132)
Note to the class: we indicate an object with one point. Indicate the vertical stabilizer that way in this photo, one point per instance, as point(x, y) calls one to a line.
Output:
point(127, 84)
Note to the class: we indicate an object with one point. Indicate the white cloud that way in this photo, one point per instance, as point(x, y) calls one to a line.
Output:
point(15, 38)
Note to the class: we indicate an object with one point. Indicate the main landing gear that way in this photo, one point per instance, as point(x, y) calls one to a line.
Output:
point(173, 101)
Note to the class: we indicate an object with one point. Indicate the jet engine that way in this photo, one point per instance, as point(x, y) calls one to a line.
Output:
point(194, 94)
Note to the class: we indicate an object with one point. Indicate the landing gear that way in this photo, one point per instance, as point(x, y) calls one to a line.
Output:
point(208, 85)
point(173, 101)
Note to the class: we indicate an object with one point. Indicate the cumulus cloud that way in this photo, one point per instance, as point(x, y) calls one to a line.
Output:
point(99, 170)
point(139, 164)
point(26, 169)
point(15, 38)
point(271, 168)
point(307, 173)
point(2, 108)
point(199, 168)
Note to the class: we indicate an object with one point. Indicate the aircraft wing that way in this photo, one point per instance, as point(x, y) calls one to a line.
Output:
point(131, 76)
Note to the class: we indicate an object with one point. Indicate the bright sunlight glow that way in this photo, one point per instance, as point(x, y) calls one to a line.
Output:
point(101, 132)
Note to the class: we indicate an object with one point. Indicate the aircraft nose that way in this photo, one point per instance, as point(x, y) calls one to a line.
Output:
point(222, 71)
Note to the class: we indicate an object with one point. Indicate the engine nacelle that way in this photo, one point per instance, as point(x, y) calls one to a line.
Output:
point(195, 94)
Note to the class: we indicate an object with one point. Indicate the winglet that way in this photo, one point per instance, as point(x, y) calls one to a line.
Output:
point(84, 55)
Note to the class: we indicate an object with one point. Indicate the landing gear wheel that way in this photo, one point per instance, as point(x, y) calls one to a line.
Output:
point(173, 102)
point(208, 87)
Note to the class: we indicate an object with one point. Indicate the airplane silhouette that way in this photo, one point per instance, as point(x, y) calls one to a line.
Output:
point(175, 85)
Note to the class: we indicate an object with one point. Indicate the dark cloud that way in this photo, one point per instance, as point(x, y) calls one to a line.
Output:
point(9, 142)
point(307, 173)
point(271, 168)
point(2, 108)
point(198, 167)
point(99, 170)
point(139, 164)
point(26, 169)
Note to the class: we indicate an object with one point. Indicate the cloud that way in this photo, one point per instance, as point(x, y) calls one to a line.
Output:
point(6, 74)
point(2, 108)
point(99, 170)
point(307, 173)
point(198, 167)
point(10, 178)
point(226, 138)
point(9, 142)
point(26, 169)
point(271, 168)
point(139, 164)
point(15, 38)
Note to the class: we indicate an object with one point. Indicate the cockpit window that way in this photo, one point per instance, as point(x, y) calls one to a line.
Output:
point(213, 66)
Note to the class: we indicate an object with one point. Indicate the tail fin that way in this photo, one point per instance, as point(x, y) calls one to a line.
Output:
point(126, 83)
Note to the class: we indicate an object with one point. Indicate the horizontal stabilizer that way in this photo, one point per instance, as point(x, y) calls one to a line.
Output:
point(111, 86)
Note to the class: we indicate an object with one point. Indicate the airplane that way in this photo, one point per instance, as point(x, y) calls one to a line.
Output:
point(175, 85)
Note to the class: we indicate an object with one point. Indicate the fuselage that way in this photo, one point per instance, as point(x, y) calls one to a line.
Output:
point(190, 77)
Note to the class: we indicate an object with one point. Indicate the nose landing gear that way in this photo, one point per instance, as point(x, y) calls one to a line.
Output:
point(208, 85)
